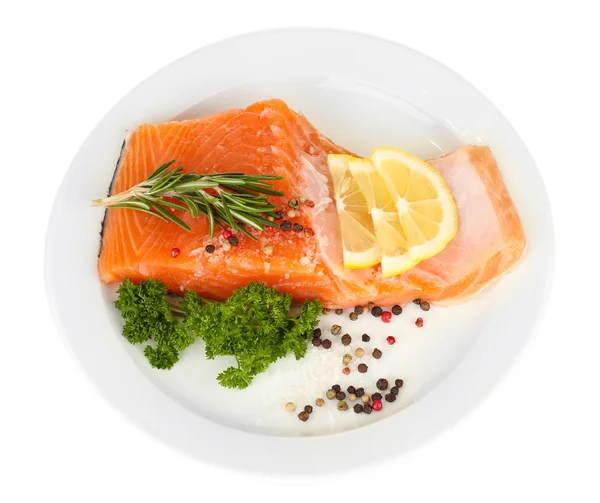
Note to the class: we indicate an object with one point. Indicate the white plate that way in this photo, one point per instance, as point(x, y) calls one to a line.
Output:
point(362, 92)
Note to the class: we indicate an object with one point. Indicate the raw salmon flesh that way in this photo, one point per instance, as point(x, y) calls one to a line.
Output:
point(270, 138)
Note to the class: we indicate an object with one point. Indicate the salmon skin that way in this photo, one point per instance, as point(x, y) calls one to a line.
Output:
point(270, 138)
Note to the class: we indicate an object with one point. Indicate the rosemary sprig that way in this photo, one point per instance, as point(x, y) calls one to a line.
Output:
point(227, 199)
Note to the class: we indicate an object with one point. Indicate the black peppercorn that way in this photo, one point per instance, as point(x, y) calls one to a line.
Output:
point(326, 343)
point(425, 305)
point(417, 302)
point(359, 392)
point(399, 383)
point(376, 396)
point(316, 342)
point(382, 384)
point(366, 337)
point(362, 368)
point(389, 397)
point(210, 248)
point(336, 388)
point(396, 310)
point(340, 395)
point(367, 408)
point(394, 390)
point(377, 353)
point(308, 408)
point(278, 215)
point(376, 311)
point(351, 390)
point(346, 339)
point(317, 332)
point(233, 240)
point(286, 225)
point(358, 408)
point(359, 310)
point(297, 227)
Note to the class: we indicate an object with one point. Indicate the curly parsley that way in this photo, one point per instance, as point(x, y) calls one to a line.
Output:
point(254, 326)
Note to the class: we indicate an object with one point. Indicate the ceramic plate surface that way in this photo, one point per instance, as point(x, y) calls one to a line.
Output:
point(347, 87)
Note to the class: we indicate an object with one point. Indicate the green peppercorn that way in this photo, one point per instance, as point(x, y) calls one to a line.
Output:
point(417, 302)
point(293, 203)
point(336, 329)
point(342, 406)
point(359, 309)
point(339, 311)
point(326, 310)
point(330, 394)
point(353, 316)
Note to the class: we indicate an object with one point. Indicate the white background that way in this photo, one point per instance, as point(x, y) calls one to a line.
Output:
point(64, 64)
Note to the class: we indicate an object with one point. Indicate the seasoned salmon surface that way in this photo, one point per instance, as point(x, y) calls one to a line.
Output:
point(270, 138)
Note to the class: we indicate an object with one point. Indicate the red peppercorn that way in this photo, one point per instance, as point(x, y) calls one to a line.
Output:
point(268, 228)
point(377, 405)
point(310, 204)
point(175, 252)
point(346, 370)
point(419, 322)
point(391, 340)
point(227, 234)
point(386, 316)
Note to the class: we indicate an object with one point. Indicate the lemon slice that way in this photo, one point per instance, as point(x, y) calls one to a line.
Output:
point(359, 242)
point(426, 209)
point(386, 220)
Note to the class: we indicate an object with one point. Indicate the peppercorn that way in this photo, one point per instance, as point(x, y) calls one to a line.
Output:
point(394, 390)
point(386, 316)
point(346, 339)
point(290, 407)
point(353, 316)
point(303, 416)
point(358, 408)
point(326, 344)
point(286, 225)
point(317, 332)
point(367, 408)
point(389, 397)
point(399, 383)
point(365, 398)
point(376, 396)
point(377, 405)
point(268, 250)
point(233, 240)
point(366, 337)
point(308, 232)
point(425, 305)
point(346, 359)
point(359, 391)
point(336, 329)
point(342, 406)
point(419, 322)
point(359, 309)
point(370, 306)
point(352, 397)
point(339, 311)
point(268, 228)
point(362, 368)
point(175, 252)
point(293, 203)
point(360, 352)
point(417, 302)
point(310, 204)
point(297, 227)
point(346, 370)
point(320, 402)
point(336, 387)
point(330, 394)
point(226, 246)
point(396, 310)
point(391, 340)
point(316, 342)
point(376, 311)
point(291, 213)
point(326, 310)
point(377, 353)
point(209, 249)
point(340, 395)
point(308, 408)
point(303, 199)
point(278, 215)
point(382, 384)
point(351, 389)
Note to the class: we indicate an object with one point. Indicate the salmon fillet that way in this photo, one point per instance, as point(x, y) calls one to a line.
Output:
point(270, 138)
